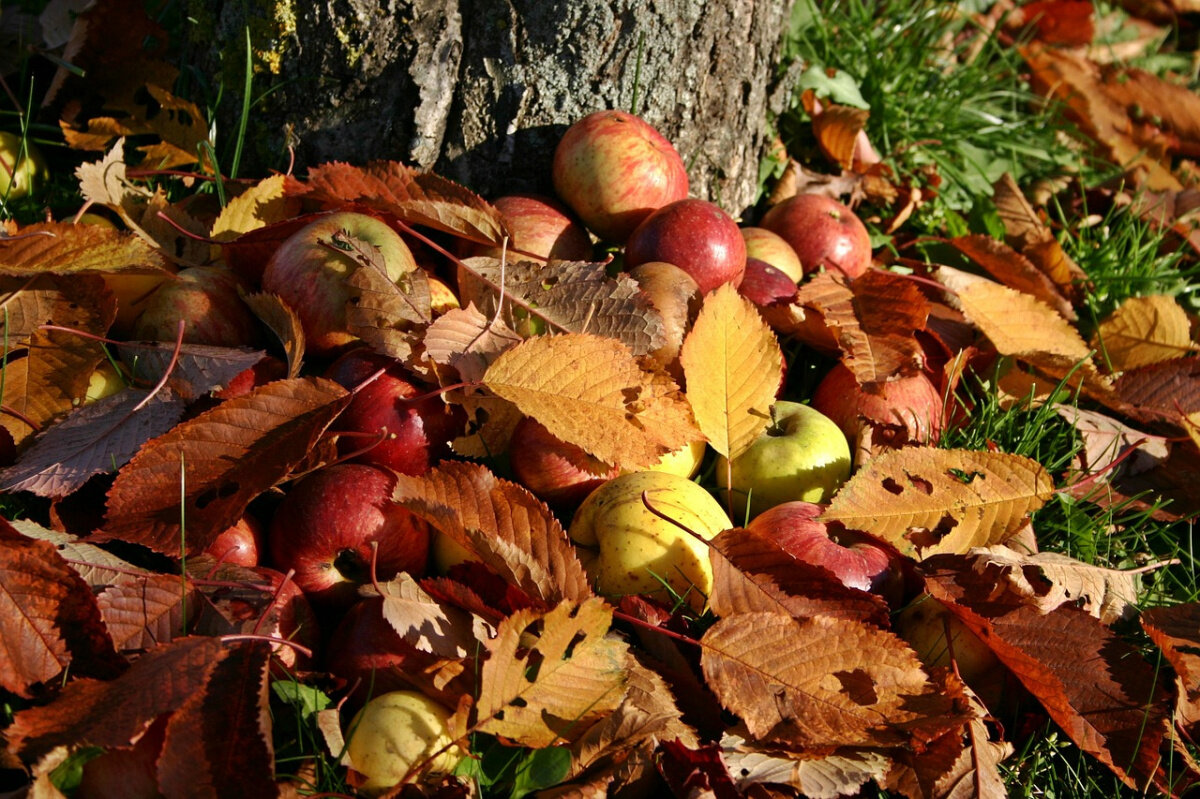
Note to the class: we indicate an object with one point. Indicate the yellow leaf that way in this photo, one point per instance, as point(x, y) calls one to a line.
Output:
point(590, 391)
point(537, 691)
point(63, 248)
point(1144, 331)
point(260, 205)
point(733, 368)
point(927, 501)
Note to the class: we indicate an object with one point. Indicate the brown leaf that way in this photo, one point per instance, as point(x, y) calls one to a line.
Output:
point(1163, 105)
point(1081, 85)
point(98, 567)
point(568, 296)
point(549, 674)
point(1103, 695)
point(1162, 392)
point(1013, 270)
point(389, 315)
point(419, 198)
point(179, 124)
point(218, 742)
point(142, 612)
point(733, 367)
point(282, 320)
point(46, 372)
point(62, 248)
point(828, 776)
point(1144, 331)
point(822, 682)
point(591, 392)
point(215, 463)
point(49, 620)
point(1105, 440)
point(752, 573)
point(429, 625)
point(1057, 22)
point(1176, 631)
point(507, 528)
point(1025, 231)
point(116, 712)
point(468, 341)
point(926, 501)
point(196, 369)
point(94, 439)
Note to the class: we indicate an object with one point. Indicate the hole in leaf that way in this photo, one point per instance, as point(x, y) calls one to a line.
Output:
point(1037, 580)
point(519, 702)
point(921, 484)
point(858, 685)
point(535, 661)
point(892, 486)
point(924, 537)
point(579, 637)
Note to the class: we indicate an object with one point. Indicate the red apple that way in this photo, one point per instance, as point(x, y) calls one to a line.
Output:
point(328, 526)
point(771, 247)
point(542, 227)
point(614, 169)
point(881, 415)
point(310, 268)
point(239, 544)
point(695, 235)
point(824, 233)
point(264, 371)
point(417, 434)
point(853, 557)
point(763, 284)
point(558, 473)
point(206, 298)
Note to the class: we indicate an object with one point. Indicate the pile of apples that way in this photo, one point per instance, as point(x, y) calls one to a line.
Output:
point(621, 187)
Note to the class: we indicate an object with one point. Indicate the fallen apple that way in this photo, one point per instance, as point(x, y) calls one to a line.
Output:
point(768, 246)
point(801, 455)
point(208, 301)
point(540, 226)
point(614, 169)
point(395, 733)
point(239, 544)
point(309, 270)
point(627, 549)
point(416, 433)
point(853, 558)
point(824, 233)
point(695, 235)
point(559, 473)
point(764, 285)
point(336, 523)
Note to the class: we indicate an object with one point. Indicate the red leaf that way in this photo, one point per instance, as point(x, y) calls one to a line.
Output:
point(48, 617)
point(231, 454)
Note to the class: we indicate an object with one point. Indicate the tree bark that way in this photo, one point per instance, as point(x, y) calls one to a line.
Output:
point(481, 90)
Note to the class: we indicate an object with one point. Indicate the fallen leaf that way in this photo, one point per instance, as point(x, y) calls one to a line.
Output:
point(282, 320)
point(260, 205)
point(195, 369)
point(215, 463)
point(1176, 631)
point(548, 674)
point(926, 501)
point(465, 339)
point(733, 367)
point(144, 611)
point(591, 392)
point(62, 248)
point(1026, 232)
point(429, 625)
point(1144, 331)
point(1013, 270)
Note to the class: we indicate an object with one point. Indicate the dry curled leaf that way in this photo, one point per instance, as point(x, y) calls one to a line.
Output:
point(818, 776)
point(926, 501)
point(468, 341)
point(733, 367)
point(548, 674)
point(1014, 270)
point(591, 392)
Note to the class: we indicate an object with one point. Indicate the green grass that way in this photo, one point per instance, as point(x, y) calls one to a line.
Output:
point(942, 96)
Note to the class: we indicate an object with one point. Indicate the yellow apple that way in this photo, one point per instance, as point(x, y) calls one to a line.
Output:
point(104, 381)
point(802, 455)
point(22, 167)
point(684, 461)
point(441, 298)
point(636, 551)
point(396, 732)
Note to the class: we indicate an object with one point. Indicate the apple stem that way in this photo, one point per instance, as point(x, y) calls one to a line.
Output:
point(187, 233)
point(166, 372)
point(274, 639)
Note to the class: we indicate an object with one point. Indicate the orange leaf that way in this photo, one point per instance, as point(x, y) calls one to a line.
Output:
point(733, 367)
point(836, 128)
point(925, 501)
point(1013, 270)
point(590, 391)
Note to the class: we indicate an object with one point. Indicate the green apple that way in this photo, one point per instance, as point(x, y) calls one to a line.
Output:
point(396, 732)
point(22, 168)
point(802, 455)
point(629, 550)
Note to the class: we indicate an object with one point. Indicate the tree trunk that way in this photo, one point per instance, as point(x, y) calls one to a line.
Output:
point(481, 90)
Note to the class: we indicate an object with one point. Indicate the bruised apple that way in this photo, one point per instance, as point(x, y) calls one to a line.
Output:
point(627, 549)
point(614, 169)
point(824, 233)
point(395, 733)
point(309, 270)
point(336, 523)
point(695, 235)
point(801, 455)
